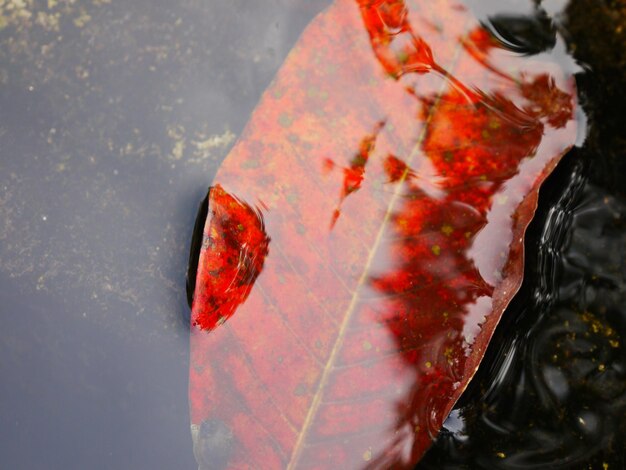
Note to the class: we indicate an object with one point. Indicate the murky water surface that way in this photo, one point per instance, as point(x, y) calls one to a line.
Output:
point(551, 392)
point(113, 120)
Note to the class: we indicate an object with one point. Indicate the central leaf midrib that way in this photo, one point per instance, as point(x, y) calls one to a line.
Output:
point(312, 411)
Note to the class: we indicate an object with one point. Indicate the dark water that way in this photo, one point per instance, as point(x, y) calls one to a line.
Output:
point(551, 392)
point(113, 120)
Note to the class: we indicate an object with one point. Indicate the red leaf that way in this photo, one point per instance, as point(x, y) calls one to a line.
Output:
point(424, 146)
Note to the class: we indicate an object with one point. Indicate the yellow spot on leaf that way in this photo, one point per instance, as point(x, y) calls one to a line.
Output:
point(300, 390)
point(285, 120)
point(403, 57)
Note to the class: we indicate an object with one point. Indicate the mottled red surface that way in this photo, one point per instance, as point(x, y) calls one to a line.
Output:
point(346, 344)
point(235, 245)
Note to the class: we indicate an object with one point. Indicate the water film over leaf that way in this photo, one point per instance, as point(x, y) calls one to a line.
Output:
point(365, 235)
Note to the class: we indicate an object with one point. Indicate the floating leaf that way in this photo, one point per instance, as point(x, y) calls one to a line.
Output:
point(365, 235)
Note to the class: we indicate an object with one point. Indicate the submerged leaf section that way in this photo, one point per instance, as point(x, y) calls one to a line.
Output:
point(347, 346)
point(234, 247)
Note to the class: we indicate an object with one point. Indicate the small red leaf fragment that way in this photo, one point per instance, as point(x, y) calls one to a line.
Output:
point(233, 251)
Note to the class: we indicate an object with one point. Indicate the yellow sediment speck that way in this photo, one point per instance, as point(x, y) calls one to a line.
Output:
point(178, 150)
